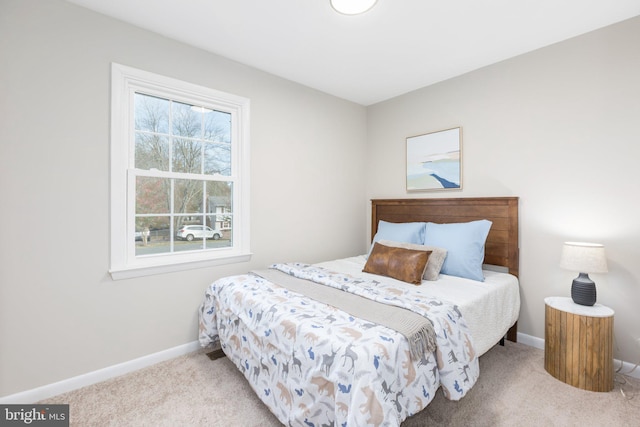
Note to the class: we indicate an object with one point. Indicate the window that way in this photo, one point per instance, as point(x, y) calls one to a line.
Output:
point(179, 175)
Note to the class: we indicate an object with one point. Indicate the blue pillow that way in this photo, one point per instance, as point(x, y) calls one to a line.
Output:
point(403, 232)
point(464, 242)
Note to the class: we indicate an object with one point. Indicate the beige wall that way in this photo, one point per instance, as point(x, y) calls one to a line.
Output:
point(61, 315)
point(558, 128)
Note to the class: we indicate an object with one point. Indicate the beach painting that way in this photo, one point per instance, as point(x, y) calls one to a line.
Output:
point(434, 161)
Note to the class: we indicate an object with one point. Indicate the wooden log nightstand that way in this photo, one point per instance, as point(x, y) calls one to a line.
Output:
point(578, 345)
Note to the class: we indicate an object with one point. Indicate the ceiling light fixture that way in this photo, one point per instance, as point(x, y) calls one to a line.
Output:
point(352, 7)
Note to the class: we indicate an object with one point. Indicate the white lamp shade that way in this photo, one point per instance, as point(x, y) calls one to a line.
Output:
point(352, 7)
point(583, 257)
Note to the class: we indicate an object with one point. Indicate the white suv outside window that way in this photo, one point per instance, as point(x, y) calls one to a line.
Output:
point(190, 232)
point(179, 154)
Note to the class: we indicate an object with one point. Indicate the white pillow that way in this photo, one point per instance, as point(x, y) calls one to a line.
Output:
point(436, 259)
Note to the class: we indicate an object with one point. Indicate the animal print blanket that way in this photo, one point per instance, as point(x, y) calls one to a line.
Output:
point(350, 297)
point(313, 364)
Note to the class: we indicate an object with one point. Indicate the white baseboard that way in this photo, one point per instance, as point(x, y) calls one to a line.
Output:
point(64, 386)
point(621, 367)
point(626, 368)
point(531, 341)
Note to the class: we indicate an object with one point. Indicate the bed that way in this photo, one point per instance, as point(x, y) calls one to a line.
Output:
point(315, 358)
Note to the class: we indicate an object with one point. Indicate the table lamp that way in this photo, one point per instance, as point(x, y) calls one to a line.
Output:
point(584, 258)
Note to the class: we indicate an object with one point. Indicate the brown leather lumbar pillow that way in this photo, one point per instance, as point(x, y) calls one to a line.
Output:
point(403, 264)
point(436, 259)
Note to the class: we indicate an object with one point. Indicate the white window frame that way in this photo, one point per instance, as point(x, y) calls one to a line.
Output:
point(125, 82)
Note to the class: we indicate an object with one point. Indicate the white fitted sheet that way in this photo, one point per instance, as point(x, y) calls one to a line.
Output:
point(489, 308)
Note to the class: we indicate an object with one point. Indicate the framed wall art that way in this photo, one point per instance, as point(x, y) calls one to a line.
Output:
point(434, 161)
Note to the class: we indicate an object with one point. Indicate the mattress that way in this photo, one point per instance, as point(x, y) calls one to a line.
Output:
point(489, 308)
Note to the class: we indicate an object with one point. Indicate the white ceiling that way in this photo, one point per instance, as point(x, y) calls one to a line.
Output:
point(396, 47)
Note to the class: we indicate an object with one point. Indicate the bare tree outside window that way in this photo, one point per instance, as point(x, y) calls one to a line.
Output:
point(182, 140)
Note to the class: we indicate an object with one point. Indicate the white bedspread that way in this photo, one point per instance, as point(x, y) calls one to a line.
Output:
point(490, 308)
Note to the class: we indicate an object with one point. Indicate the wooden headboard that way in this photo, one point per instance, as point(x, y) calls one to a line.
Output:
point(501, 247)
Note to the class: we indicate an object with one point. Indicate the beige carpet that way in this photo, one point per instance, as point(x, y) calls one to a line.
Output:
point(513, 390)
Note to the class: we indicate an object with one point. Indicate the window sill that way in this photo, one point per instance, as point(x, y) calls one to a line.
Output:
point(150, 270)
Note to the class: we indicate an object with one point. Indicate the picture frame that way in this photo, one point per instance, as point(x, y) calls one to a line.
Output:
point(434, 161)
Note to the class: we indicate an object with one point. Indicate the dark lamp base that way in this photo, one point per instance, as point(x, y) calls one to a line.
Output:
point(583, 290)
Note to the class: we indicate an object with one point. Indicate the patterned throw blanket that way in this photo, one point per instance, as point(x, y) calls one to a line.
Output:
point(356, 297)
point(314, 364)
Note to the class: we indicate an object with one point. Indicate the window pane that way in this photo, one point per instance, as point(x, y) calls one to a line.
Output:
point(217, 131)
point(151, 114)
point(158, 238)
point(217, 159)
point(188, 197)
point(220, 212)
point(186, 120)
point(225, 239)
point(217, 126)
point(187, 156)
point(152, 151)
point(153, 195)
point(190, 234)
